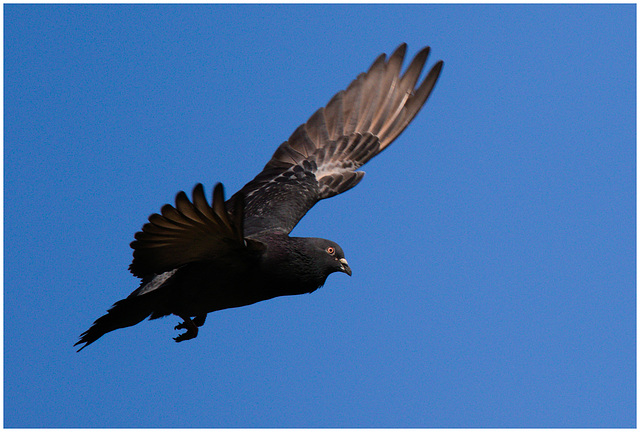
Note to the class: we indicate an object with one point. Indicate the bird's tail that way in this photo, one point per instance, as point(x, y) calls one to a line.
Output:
point(123, 313)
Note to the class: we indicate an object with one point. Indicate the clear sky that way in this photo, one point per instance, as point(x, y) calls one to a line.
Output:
point(492, 245)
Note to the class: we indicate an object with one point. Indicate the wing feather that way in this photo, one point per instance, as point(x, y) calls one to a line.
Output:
point(190, 231)
point(320, 159)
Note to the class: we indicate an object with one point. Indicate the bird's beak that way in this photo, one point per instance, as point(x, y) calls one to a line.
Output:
point(345, 266)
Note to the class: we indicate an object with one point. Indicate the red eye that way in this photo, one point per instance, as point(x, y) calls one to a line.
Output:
point(331, 250)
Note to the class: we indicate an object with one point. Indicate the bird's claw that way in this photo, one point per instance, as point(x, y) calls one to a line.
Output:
point(192, 331)
point(183, 337)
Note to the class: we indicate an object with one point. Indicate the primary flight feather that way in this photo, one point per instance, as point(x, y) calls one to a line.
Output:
point(195, 257)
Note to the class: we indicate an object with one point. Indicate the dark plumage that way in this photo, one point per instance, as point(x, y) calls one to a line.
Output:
point(195, 258)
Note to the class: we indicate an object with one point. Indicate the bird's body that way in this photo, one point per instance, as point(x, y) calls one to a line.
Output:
point(196, 258)
point(206, 286)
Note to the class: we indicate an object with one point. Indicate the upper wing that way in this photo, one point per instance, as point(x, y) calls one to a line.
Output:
point(321, 157)
point(189, 232)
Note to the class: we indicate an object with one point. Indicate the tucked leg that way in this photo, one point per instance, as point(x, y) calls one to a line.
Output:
point(192, 329)
point(199, 320)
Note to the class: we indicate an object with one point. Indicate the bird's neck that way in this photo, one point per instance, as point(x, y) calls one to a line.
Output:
point(289, 266)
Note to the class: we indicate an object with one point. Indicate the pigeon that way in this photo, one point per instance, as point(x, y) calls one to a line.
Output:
point(194, 258)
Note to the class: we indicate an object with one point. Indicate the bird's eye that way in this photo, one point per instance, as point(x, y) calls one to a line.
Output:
point(331, 251)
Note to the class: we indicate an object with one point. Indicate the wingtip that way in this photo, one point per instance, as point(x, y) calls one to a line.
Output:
point(218, 190)
point(198, 188)
point(181, 198)
point(424, 51)
point(418, 62)
point(438, 66)
point(432, 77)
point(381, 59)
point(400, 51)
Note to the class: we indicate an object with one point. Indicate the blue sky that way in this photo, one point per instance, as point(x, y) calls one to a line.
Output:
point(493, 245)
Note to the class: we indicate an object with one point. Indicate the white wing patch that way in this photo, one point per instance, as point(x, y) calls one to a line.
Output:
point(156, 282)
point(335, 168)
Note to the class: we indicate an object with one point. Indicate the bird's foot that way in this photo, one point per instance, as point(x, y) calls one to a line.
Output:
point(192, 330)
point(185, 336)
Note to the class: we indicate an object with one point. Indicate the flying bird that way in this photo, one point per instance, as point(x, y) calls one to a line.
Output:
point(194, 257)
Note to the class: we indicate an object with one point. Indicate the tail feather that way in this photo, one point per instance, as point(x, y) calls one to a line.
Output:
point(123, 313)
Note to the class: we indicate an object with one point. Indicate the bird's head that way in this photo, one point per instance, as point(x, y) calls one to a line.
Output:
point(331, 255)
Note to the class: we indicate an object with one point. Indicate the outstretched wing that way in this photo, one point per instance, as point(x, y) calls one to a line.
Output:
point(188, 232)
point(321, 157)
